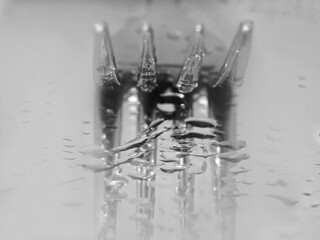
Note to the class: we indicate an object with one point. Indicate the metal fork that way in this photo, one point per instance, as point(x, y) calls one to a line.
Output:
point(158, 93)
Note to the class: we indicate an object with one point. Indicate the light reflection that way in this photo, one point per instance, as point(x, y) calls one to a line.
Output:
point(145, 194)
point(185, 202)
point(113, 195)
point(217, 160)
point(223, 184)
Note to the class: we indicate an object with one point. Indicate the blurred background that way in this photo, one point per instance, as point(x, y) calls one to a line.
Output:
point(46, 116)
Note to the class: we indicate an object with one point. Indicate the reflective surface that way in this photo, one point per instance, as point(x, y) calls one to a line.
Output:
point(51, 125)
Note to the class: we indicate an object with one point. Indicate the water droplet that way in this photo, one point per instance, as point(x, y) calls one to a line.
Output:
point(284, 200)
point(26, 111)
point(309, 180)
point(156, 134)
point(302, 82)
point(315, 205)
point(307, 194)
point(169, 160)
point(278, 182)
point(204, 155)
point(156, 122)
point(135, 143)
point(200, 135)
point(274, 138)
point(218, 131)
point(203, 148)
point(172, 168)
point(181, 148)
point(69, 146)
point(316, 135)
point(142, 176)
point(233, 144)
point(86, 133)
point(236, 170)
point(138, 153)
point(99, 165)
point(194, 134)
point(116, 182)
point(139, 162)
point(163, 150)
point(67, 139)
point(233, 156)
point(198, 168)
point(94, 164)
point(66, 151)
point(95, 151)
point(246, 182)
point(201, 122)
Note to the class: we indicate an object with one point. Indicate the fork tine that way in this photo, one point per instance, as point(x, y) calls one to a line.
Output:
point(104, 60)
point(147, 70)
point(189, 75)
point(236, 61)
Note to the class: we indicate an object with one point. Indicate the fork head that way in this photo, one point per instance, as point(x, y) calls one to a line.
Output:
point(163, 54)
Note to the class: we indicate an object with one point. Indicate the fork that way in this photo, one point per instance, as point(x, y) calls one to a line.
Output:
point(161, 92)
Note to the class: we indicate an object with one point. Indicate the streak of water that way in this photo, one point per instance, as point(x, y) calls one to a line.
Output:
point(135, 143)
point(194, 134)
point(142, 176)
point(286, 201)
point(157, 133)
point(172, 168)
point(233, 156)
point(233, 144)
point(169, 160)
point(278, 182)
point(201, 122)
point(96, 152)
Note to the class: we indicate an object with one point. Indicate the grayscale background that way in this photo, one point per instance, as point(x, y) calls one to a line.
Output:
point(46, 117)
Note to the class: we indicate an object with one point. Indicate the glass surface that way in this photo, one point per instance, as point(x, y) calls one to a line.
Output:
point(51, 124)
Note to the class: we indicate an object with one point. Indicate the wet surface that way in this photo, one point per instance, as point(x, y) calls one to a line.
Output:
point(80, 161)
